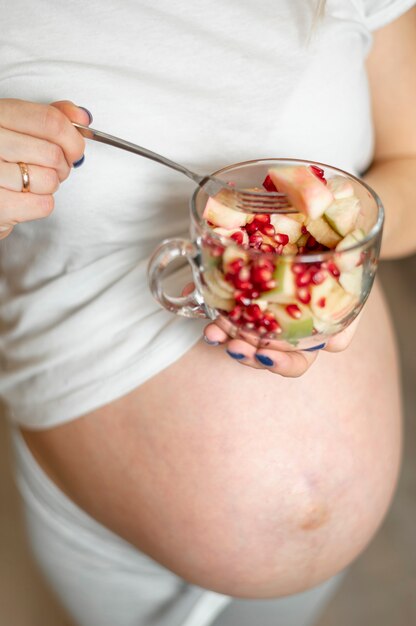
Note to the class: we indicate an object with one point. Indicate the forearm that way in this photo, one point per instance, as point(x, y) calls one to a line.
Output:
point(394, 180)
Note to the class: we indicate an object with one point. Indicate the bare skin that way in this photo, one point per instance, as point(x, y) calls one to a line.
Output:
point(237, 479)
point(246, 483)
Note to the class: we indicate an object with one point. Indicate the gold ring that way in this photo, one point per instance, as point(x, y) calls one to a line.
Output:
point(25, 177)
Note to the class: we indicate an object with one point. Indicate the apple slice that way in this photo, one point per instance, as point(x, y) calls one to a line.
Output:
point(321, 230)
point(340, 187)
point(306, 192)
point(330, 302)
point(285, 289)
point(226, 232)
point(221, 215)
point(215, 280)
point(286, 225)
point(215, 301)
point(348, 260)
point(342, 215)
point(352, 280)
point(293, 327)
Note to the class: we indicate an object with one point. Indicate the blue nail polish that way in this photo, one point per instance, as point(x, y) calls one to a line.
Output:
point(236, 355)
point(264, 360)
point(88, 112)
point(209, 342)
point(79, 162)
point(319, 347)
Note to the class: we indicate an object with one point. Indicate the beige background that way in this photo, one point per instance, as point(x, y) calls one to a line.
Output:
point(380, 589)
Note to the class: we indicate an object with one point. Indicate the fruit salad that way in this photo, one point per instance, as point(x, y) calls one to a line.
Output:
point(260, 271)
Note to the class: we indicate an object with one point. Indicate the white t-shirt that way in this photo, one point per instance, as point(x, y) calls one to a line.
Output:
point(207, 83)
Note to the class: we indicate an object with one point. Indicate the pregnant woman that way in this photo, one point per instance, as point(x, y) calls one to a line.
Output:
point(161, 478)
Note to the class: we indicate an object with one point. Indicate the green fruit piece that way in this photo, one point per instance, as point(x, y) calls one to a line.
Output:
point(231, 253)
point(216, 282)
point(342, 215)
point(286, 225)
point(216, 302)
point(352, 281)
point(290, 248)
point(321, 230)
point(302, 240)
point(330, 302)
point(348, 260)
point(293, 328)
point(285, 284)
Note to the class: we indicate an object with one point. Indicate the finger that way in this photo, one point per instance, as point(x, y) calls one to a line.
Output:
point(243, 352)
point(15, 147)
point(5, 231)
point(18, 207)
point(288, 364)
point(214, 335)
point(188, 289)
point(46, 122)
point(42, 179)
point(341, 341)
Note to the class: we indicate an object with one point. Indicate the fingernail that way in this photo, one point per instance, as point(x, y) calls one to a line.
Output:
point(79, 162)
point(319, 347)
point(264, 360)
point(88, 112)
point(209, 342)
point(236, 355)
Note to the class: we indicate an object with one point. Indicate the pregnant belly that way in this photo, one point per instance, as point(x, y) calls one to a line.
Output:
point(237, 479)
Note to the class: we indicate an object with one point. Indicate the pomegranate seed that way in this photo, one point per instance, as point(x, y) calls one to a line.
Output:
point(304, 279)
point(242, 298)
point(282, 238)
point(252, 313)
point(238, 237)
point(244, 273)
point(252, 293)
point(242, 284)
point(294, 311)
point(264, 263)
point(303, 295)
point(256, 240)
point(252, 227)
point(235, 266)
point(279, 249)
point(304, 230)
point(311, 243)
point(269, 184)
point(217, 251)
point(333, 269)
point(318, 171)
point(265, 247)
point(318, 277)
point(235, 314)
point(298, 268)
point(268, 284)
point(267, 229)
point(321, 302)
point(260, 274)
point(262, 218)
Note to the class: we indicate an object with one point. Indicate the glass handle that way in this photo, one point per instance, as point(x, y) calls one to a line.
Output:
point(191, 305)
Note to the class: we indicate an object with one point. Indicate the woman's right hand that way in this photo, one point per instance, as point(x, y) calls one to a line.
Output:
point(42, 137)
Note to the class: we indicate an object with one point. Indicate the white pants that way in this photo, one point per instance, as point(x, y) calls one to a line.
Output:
point(104, 581)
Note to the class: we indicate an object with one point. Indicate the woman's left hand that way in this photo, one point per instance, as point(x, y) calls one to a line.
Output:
point(289, 364)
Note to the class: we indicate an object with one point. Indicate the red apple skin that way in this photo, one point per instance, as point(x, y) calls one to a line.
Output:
point(306, 192)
